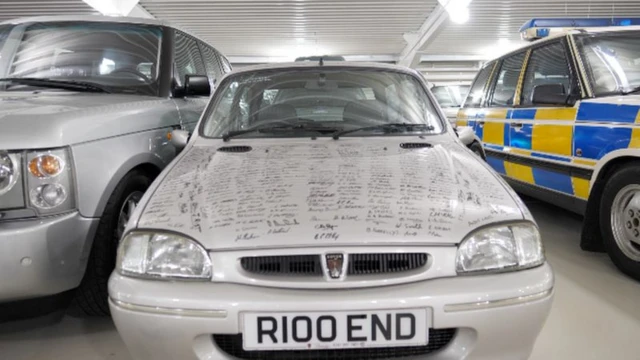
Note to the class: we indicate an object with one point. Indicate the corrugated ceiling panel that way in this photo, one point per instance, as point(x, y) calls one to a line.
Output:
point(10, 9)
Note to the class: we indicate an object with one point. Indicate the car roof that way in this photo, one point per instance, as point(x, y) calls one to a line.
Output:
point(327, 64)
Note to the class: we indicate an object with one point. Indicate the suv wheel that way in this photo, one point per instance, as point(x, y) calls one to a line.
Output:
point(92, 295)
point(620, 219)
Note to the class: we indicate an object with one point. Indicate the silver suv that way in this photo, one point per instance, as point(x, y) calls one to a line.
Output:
point(87, 106)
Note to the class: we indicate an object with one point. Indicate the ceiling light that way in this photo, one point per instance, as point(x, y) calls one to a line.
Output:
point(458, 10)
point(113, 8)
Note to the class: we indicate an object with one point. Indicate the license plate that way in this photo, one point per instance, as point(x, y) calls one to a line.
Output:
point(335, 330)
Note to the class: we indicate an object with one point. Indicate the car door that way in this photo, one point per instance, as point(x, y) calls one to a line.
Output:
point(188, 61)
point(541, 136)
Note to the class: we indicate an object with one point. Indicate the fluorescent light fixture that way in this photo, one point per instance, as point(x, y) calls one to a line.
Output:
point(113, 7)
point(458, 10)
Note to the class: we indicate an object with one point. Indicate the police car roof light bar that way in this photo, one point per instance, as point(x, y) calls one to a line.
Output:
point(535, 29)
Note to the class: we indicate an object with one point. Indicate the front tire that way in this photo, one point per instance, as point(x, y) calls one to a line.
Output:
point(92, 295)
point(620, 219)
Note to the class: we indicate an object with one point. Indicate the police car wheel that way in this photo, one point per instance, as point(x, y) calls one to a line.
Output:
point(620, 219)
point(92, 296)
point(476, 147)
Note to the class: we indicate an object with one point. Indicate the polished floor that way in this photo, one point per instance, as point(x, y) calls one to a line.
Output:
point(596, 313)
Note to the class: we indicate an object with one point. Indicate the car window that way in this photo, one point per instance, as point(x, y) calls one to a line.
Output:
point(476, 92)
point(120, 57)
point(612, 61)
point(507, 81)
point(188, 60)
point(450, 95)
point(214, 68)
point(547, 65)
point(340, 99)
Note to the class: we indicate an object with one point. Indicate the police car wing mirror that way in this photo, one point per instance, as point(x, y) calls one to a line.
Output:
point(179, 139)
point(466, 134)
point(550, 94)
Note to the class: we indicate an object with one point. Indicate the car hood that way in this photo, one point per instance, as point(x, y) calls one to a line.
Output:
point(58, 118)
point(294, 193)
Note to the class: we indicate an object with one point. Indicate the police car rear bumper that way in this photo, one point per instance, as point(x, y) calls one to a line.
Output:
point(495, 316)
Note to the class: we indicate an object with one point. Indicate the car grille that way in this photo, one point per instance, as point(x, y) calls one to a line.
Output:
point(438, 339)
point(310, 265)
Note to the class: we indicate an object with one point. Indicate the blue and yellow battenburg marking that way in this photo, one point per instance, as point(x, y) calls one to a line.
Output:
point(578, 136)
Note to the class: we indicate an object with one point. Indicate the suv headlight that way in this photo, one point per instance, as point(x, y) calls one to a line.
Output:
point(9, 171)
point(162, 256)
point(501, 248)
point(50, 180)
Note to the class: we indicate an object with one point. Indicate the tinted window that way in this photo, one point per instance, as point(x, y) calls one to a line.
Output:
point(474, 99)
point(612, 61)
point(187, 58)
point(332, 98)
point(214, 69)
point(507, 81)
point(547, 65)
point(120, 57)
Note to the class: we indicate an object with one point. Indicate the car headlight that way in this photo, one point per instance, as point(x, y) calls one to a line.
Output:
point(9, 172)
point(500, 248)
point(51, 182)
point(162, 256)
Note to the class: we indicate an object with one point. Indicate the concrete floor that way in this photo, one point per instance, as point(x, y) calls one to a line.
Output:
point(596, 313)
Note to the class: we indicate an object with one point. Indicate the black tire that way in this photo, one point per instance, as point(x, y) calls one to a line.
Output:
point(476, 147)
point(91, 297)
point(628, 175)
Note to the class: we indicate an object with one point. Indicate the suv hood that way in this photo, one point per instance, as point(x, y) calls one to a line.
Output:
point(59, 118)
point(291, 193)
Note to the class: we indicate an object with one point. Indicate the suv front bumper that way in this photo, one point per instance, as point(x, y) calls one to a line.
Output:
point(44, 256)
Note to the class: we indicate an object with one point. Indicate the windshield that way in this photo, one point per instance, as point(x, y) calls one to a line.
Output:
point(122, 58)
point(612, 61)
point(450, 96)
point(335, 99)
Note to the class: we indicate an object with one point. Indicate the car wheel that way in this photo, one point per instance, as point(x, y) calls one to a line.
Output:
point(620, 219)
point(92, 295)
point(476, 147)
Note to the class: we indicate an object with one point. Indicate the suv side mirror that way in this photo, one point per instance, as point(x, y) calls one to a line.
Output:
point(550, 94)
point(179, 139)
point(196, 85)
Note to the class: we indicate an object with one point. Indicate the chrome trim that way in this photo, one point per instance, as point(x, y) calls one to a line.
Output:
point(497, 303)
point(216, 314)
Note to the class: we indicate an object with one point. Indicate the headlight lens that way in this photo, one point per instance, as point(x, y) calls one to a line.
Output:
point(46, 166)
point(48, 196)
point(162, 256)
point(501, 248)
point(9, 172)
point(51, 182)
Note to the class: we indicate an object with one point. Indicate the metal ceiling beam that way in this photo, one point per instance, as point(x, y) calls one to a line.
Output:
point(410, 56)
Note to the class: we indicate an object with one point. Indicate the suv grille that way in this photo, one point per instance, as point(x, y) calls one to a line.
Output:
point(310, 265)
point(438, 339)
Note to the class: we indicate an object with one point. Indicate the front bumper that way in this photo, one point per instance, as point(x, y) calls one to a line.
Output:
point(46, 256)
point(497, 316)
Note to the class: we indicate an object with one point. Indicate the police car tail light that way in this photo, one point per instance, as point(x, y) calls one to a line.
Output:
point(162, 256)
point(500, 248)
point(540, 28)
point(50, 181)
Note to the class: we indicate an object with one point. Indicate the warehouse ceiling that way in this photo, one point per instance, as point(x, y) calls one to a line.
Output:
point(274, 30)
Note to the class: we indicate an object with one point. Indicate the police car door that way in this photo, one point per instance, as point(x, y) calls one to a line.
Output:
point(541, 139)
point(471, 110)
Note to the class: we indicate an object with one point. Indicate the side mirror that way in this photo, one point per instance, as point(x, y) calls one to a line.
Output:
point(550, 94)
point(196, 85)
point(466, 134)
point(179, 139)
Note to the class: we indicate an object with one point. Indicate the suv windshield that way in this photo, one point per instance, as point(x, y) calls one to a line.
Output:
point(322, 101)
point(612, 60)
point(450, 96)
point(120, 57)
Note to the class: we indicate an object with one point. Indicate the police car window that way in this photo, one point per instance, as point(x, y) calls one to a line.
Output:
point(547, 65)
point(474, 99)
point(188, 60)
point(507, 81)
point(612, 61)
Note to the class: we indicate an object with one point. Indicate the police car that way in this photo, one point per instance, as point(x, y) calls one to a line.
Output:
point(560, 119)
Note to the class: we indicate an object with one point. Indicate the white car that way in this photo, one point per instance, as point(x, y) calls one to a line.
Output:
point(327, 227)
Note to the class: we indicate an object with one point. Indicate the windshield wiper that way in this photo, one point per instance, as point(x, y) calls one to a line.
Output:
point(389, 128)
point(57, 84)
point(294, 127)
point(632, 91)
